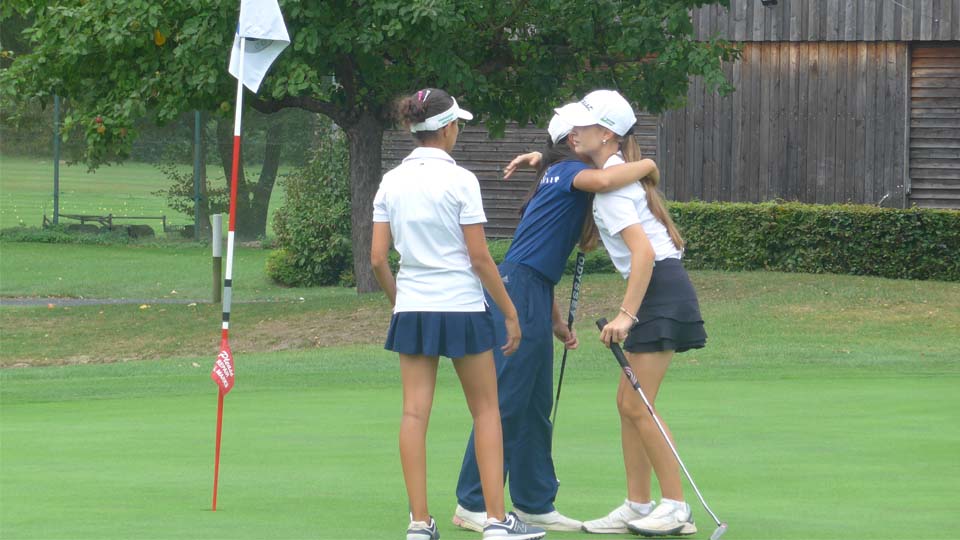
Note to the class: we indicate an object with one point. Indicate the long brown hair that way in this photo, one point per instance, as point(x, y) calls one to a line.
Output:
point(554, 153)
point(631, 152)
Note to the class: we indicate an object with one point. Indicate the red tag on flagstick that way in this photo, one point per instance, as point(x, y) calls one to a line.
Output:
point(222, 373)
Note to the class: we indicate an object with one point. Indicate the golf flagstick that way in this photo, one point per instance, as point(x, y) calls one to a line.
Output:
point(574, 300)
point(223, 372)
point(622, 360)
point(261, 22)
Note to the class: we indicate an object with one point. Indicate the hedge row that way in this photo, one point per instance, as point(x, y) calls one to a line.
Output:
point(793, 237)
point(838, 239)
point(65, 234)
point(786, 237)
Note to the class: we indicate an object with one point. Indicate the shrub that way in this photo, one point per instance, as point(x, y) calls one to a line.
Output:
point(841, 239)
point(793, 237)
point(313, 225)
point(63, 234)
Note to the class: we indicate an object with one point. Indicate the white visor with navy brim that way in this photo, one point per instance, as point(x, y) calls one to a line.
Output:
point(438, 121)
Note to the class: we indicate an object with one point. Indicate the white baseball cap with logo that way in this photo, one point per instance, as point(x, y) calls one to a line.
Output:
point(603, 107)
point(558, 129)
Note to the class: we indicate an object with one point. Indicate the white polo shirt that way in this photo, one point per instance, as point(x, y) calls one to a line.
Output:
point(616, 210)
point(426, 199)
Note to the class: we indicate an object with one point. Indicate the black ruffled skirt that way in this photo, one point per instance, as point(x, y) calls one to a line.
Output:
point(669, 316)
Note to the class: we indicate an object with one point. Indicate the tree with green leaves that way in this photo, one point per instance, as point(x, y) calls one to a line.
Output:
point(349, 60)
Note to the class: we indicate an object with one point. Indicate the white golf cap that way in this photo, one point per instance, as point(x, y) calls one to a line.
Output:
point(604, 107)
point(558, 129)
point(440, 120)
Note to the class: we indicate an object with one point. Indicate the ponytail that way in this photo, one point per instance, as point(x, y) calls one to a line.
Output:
point(631, 152)
point(416, 108)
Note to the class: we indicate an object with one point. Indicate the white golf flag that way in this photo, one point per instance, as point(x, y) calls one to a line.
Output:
point(261, 23)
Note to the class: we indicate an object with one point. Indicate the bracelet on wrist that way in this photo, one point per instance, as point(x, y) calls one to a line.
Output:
point(631, 315)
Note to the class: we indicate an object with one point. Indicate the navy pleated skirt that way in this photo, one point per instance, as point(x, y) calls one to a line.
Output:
point(669, 316)
point(440, 333)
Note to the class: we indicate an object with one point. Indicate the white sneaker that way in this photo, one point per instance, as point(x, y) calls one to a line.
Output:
point(551, 521)
point(616, 521)
point(511, 528)
point(473, 521)
point(666, 520)
point(421, 530)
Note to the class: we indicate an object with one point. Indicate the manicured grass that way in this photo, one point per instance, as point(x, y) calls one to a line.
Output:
point(309, 448)
point(823, 407)
point(782, 317)
point(151, 271)
point(26, 192)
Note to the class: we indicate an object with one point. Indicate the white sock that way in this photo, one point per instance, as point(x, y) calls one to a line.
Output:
point(676, 504)
point(640, 508)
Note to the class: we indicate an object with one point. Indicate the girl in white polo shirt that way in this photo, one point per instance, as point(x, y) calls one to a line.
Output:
point(430, 210)
point(659, 315)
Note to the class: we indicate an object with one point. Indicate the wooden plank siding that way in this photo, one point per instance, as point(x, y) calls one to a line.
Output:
point(811, 122)
point(935, 126)
point(486, 157)
point(831, 20)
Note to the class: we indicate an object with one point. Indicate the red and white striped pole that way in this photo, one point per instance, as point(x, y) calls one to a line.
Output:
point(225, 359)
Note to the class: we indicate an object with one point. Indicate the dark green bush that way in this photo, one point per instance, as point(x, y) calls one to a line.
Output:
point(790, 237)
point(59, 234)
point(839, 239)
point(313, 225)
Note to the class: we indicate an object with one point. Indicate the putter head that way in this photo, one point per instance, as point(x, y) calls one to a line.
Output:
point(719, 532)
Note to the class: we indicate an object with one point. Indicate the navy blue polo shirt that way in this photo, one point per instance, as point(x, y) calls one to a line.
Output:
point(551, 225)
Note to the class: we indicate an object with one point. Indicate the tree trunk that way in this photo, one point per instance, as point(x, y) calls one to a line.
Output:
point(253, 201)
point(365, 139)
point(204, 214)
point(258, 205)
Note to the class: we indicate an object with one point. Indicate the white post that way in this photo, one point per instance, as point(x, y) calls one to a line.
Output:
point(217, 244)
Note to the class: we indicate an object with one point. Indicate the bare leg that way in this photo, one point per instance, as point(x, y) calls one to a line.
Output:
point(650, 369)
point(478, 376)
point(419, 375)
point(635, 459)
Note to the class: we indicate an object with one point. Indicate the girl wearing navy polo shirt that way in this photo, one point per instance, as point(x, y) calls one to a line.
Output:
point(659, 314)
point(430, 210)
point(552, 221)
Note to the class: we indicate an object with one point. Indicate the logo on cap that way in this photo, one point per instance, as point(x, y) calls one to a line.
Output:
point(586, 105)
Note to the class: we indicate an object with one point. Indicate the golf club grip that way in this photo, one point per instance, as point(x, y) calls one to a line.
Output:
point(617, 352)
point(575, 292)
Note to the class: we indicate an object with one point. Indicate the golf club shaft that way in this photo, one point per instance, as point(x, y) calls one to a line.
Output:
point(571, 314)
point(628, 371)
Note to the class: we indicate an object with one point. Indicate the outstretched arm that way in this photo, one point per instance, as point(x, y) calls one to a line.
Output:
point(613, 178)
point(530, 160)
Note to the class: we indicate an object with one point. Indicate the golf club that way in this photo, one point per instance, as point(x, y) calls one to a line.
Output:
point(622, 360)
point(574, 300)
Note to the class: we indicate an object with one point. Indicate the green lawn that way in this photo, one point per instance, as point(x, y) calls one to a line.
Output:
point(823, 407)
point(26, 192)
point(72, 270)
point(781, 450)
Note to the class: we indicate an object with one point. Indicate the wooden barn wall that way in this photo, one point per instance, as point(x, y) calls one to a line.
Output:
point(935, 126)
point(831, 20)
point(811, 122)
point(486, 157)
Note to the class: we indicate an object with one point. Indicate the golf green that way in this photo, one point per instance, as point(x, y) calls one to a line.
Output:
point(309, 448)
